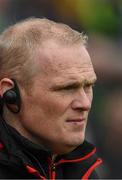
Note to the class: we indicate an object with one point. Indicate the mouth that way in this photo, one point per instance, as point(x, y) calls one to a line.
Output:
point(76, 121)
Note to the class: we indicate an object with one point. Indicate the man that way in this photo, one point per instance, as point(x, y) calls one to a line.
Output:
point(46, 80)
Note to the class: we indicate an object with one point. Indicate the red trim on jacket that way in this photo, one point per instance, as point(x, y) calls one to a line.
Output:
point(33, 171)
point(77, 160)
point(52, 174)
point(90, 170)
point(1, 146)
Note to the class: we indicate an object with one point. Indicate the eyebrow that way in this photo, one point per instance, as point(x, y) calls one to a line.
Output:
point(74, 84)
point(91, 81)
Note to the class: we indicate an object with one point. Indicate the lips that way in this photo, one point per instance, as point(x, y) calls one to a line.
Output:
point(75, 120)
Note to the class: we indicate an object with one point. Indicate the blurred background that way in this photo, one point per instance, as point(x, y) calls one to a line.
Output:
point(101, 20)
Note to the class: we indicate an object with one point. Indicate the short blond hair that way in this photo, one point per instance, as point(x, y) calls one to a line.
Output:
point(18, 45)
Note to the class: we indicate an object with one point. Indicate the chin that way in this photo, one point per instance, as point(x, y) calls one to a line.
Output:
point(76, 140)
point(68, 145)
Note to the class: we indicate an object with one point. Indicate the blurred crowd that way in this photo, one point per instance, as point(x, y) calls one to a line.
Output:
point(102, 21)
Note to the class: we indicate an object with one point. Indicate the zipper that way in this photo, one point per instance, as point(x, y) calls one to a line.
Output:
point(53, 172)
point(52, 169)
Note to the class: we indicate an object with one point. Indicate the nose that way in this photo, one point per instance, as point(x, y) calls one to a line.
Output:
point(82, 101)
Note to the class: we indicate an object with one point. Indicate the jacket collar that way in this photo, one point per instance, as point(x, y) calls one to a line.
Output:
point(14, 143)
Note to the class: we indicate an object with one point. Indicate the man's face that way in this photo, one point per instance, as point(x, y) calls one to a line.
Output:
point(55, 113)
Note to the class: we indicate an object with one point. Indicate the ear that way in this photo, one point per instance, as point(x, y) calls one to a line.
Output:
point(5, 84)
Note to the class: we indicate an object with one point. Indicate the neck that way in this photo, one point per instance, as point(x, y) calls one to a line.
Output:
point(10, 118)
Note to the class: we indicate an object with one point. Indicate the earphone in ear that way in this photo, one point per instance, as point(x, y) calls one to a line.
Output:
point(12, 98)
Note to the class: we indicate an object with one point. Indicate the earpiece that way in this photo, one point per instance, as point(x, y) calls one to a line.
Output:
point(12, 98)
point(1, 105)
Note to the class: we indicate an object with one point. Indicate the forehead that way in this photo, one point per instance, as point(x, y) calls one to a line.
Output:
point(62, 62)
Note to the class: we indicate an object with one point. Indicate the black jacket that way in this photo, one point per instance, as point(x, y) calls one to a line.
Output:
point(21, 159)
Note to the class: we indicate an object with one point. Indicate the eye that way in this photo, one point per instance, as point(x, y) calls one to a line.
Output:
point(68, 88)
point(71, 87)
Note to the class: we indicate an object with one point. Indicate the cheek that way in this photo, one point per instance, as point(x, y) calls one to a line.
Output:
point(52, 106)
point(90, 96)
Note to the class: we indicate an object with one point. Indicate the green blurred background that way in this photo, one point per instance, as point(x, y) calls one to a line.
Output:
point(101, 20)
